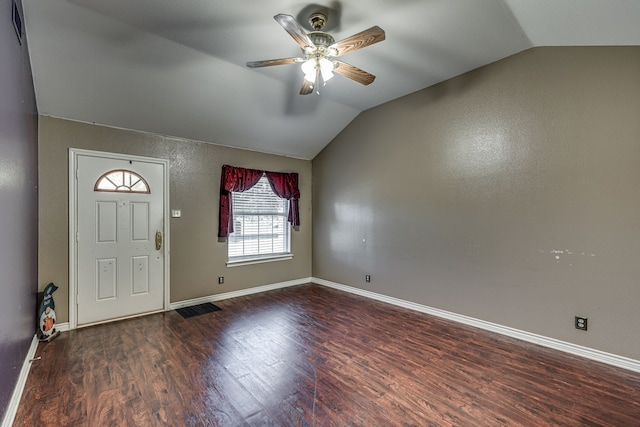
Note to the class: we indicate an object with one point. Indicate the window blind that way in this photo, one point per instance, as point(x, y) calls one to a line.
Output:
point(260, 224)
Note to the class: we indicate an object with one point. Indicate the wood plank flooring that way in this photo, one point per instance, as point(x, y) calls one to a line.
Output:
point(314, 356)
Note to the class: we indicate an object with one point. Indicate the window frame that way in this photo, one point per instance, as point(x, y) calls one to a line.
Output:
point(123, 188)
point(238, 260)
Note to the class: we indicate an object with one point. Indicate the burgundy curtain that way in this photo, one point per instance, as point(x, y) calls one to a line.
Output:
point(238, 180)
point(284, 185)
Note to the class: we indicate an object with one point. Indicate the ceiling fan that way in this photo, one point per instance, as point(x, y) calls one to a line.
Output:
point(318, 49)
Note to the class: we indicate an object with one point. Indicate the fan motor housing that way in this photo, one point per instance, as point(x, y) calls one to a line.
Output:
point(320, 38)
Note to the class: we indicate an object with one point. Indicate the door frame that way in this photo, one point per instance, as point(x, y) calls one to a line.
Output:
point(74, 153)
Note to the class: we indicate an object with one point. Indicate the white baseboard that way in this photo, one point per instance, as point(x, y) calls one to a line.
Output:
point(19, 388)
point(589, 353)
point(241, 293)
point(586, 352)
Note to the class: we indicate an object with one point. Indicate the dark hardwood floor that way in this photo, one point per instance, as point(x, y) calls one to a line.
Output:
point(314, 356)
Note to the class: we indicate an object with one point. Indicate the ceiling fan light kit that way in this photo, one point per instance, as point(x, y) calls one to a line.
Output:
point(318, 49)
point(311, 66)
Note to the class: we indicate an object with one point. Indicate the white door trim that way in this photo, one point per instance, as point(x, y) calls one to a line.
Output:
point(73, 221)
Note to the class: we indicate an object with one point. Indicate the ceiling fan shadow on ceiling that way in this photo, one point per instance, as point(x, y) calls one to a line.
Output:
point(319, 49)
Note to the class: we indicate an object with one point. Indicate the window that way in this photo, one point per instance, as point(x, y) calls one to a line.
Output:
point(260, 224)
point(122, 181)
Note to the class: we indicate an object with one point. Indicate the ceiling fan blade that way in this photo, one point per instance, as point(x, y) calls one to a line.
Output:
point(354, 73)
point(296, 31)
point(307, 87)
point(271, 62)
point(358, 41)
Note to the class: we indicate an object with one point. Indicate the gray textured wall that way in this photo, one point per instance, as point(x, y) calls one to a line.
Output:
point(18, 205)
point(197, 258)
point(509, 194)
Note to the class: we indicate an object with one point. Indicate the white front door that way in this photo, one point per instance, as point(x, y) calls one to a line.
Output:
point(120, 238)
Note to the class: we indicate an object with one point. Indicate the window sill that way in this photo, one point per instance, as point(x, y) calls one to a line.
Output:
point(242, 262)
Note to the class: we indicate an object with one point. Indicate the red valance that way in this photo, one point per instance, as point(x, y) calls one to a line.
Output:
point(284, 185)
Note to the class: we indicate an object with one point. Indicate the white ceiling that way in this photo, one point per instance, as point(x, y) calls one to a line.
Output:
point(178, 67)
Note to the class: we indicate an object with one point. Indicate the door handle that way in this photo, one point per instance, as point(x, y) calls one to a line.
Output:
point(158, 240)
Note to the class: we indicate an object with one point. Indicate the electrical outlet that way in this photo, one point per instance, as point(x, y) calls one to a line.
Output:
point(581, 323)
point(220, 280)
point(367, 278)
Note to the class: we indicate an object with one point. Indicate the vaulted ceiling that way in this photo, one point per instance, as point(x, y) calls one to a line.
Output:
point(178, 67)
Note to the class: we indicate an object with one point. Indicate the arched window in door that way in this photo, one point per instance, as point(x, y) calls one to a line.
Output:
point(122, 181)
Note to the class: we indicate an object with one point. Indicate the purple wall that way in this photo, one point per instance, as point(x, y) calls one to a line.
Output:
point(18, 204)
